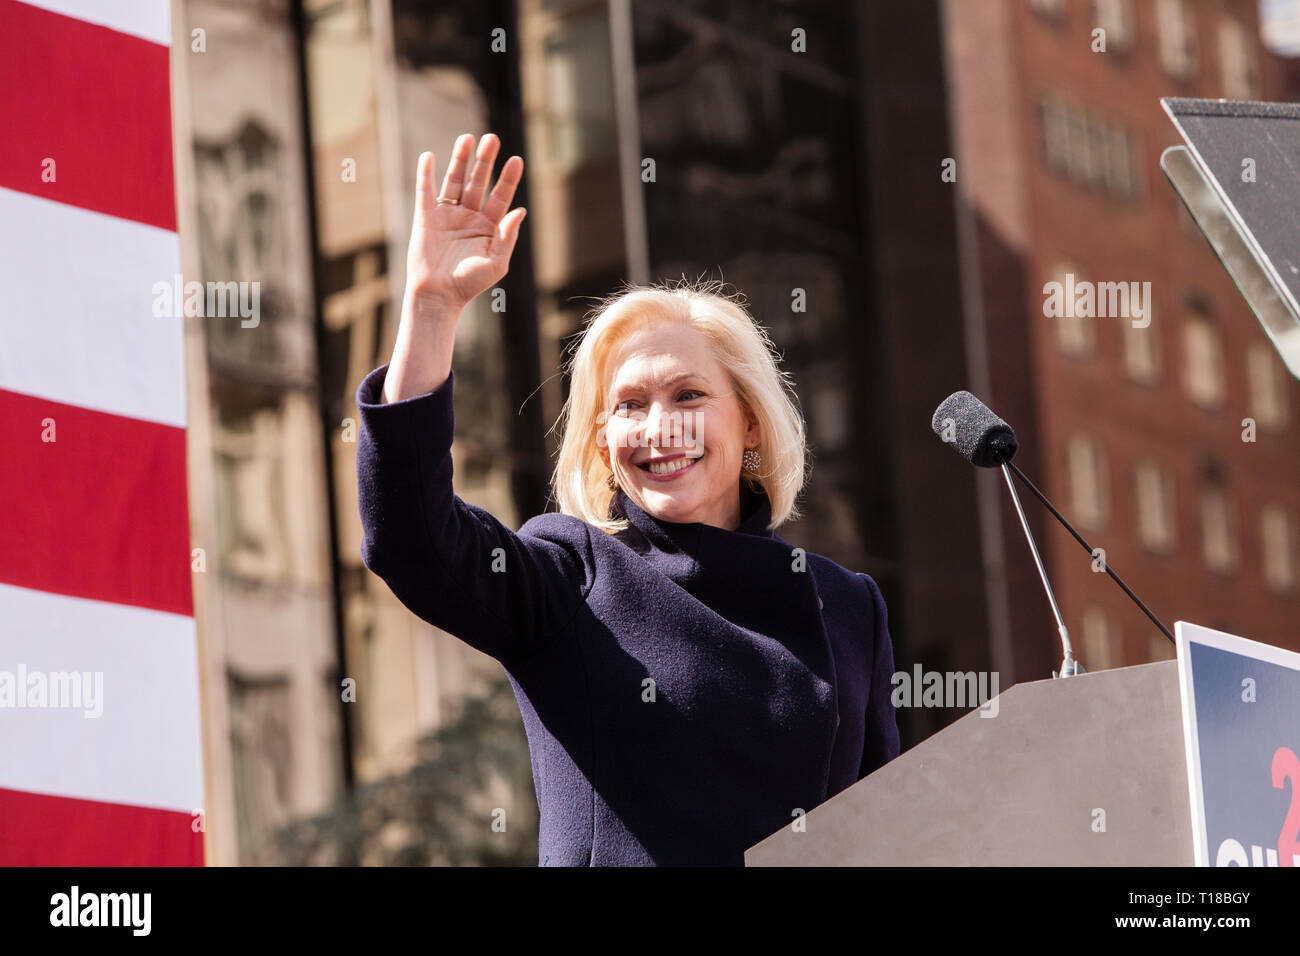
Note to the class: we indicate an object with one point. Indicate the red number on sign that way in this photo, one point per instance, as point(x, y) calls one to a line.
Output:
point(1286, 766)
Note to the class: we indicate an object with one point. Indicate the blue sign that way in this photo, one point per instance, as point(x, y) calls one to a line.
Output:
point(1241, 725)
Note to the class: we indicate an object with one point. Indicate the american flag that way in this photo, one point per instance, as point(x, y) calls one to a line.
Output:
point(96, 610)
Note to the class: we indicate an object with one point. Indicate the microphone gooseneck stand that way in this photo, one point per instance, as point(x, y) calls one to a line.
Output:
point(1069, 666)
point(986, 441)
point(1086, 547)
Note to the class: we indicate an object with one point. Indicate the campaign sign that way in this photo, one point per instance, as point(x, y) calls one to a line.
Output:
point(1241, 725)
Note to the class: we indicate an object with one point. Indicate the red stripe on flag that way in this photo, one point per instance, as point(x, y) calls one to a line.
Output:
point(40, 830)
point(101, 510)
point(97, 103)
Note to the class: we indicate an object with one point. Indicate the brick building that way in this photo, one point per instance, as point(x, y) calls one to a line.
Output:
point(797, 147)
point(1173, 445)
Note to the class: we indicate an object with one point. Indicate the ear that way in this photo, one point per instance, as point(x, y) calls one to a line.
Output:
point(754, 436)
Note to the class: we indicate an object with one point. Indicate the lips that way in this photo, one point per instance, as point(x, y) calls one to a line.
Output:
point(668, 466)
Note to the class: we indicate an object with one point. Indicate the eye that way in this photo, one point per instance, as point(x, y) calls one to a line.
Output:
point(622, 406)
point(690, 391)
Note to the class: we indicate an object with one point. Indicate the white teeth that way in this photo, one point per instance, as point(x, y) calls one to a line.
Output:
point(668, 467)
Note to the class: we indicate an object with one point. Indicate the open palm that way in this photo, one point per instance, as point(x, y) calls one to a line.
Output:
point(460, 250)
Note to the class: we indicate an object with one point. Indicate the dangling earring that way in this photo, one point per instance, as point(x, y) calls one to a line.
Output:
point(611, 481)
point(751, 460)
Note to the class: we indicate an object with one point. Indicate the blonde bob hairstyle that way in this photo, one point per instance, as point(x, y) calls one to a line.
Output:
point(741, 346)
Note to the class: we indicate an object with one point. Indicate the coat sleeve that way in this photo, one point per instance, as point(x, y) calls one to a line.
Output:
point(452, 563)
point(881, 743)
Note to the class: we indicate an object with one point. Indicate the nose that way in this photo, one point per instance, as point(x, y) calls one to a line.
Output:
point(659, 428)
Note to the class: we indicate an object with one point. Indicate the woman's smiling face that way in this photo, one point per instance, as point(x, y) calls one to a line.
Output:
point(675, 428)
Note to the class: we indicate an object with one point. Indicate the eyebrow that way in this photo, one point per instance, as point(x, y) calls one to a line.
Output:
point(620, 388)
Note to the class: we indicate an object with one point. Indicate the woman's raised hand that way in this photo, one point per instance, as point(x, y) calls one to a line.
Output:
point(459, 250)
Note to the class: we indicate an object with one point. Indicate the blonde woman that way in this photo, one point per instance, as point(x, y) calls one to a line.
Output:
point(689, 681)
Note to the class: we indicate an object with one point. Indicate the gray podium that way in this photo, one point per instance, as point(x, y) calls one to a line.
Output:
point(1021, 788)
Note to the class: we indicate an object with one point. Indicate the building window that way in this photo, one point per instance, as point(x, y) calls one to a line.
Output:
point(579, 91)
point(1087, 469)
point(1053, 10)
point(1218, 539)
point(1079, 165)
point(1203, 368)
point(1075, 334)
point(261, 751)
point(1116, 18)
point(828, 403)
point(1101, 641)
point(1268, 392)
point(251, 480)
point(1089, 151)
point(1155, 507)
point(1117, 159)
point(1142, 348)
point(1176, 32)
point(1278, 537)
point(1056, 135)
point(1237, 61)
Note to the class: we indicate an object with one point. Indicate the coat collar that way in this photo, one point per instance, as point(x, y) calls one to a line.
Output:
point(756, 508)
point(694, 554)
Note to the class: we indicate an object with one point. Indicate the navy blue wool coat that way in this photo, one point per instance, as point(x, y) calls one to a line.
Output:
point(686, 690)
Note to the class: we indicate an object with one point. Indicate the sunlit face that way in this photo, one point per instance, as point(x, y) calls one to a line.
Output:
point(675, 430)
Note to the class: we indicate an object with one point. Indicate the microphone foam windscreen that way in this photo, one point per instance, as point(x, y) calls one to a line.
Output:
point(971, 428)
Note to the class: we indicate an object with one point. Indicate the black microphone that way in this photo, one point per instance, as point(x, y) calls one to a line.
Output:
point(984, 439)
point(974, 432)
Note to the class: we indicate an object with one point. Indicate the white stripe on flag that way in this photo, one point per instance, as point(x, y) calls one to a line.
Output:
point(151, 19)
point(80, 327)
point(145, 747)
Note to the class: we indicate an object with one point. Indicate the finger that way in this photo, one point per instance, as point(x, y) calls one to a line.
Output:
point(504, 192)
point(454, 181)
point(424, 183)
point(508, 231)
point(472, 198)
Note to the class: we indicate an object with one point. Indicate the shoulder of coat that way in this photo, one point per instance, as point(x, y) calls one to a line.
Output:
point(554, 526)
